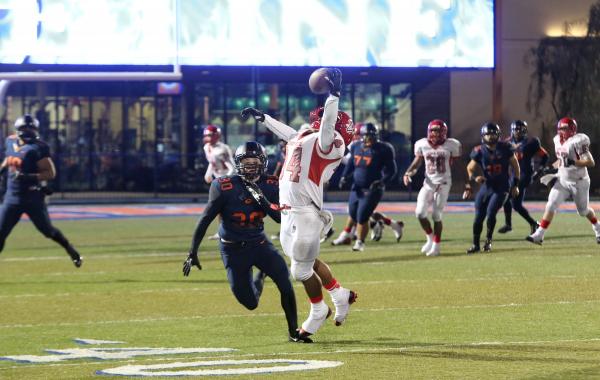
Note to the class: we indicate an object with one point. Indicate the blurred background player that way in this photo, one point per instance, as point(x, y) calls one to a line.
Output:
point(219, 157)
point(29, 166)
point(243, 200)
point(526, 149)
point(495, 158)
point(573, 158)
point(312, 155)
point(439, 153)
point(372, 165)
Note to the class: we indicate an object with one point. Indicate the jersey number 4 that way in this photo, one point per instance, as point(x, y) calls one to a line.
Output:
point(293, 165)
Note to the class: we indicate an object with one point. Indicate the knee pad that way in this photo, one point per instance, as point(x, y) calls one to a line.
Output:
point(302, 271)
point(436, 215)
point(421, 213)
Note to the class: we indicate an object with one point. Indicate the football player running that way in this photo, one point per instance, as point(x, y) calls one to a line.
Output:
point(526, 149)
point(243, 200)
point(439, 153)
point(219, 157)
point(29, 166)
point(573, 158)
point(311, 158)
point(495, 158)
point(372, 165)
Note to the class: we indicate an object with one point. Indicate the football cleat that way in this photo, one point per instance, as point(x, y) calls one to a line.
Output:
point(427, 246)
point(343, 239)
point(434, 251)
point(376, 230)
point(297, 337)
point(534, 239)
point(327, 235)
point(78, 262)
point(342, 308)
point(398, 228)
point(504, 229)
point(314, 322)
point(473, 249)
point(487, 246)
point(534, 228)
point(359, 246)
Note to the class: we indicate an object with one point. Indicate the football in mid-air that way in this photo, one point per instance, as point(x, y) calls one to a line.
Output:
point(318, 82)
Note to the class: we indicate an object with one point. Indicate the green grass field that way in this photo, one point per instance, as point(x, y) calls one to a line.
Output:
point(521, 312)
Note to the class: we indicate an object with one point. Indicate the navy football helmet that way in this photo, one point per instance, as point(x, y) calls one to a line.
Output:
point(518, 130)
point(369, 133)
point(490, 133)
point(27, 128)
point(251, 171)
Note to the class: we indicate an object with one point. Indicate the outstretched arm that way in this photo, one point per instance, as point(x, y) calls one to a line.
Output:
point(327, 130)
point(284, 132)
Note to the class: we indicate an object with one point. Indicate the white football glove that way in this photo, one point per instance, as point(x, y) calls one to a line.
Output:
point(549, 179)
point(327, 218)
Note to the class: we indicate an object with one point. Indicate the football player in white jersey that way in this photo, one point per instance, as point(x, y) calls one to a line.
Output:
point(573, 158)
point(218, 154)
point(438, 152)
point(312, 155)
point(219, 157)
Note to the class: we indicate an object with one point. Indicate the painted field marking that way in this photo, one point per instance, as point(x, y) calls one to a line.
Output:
point(284, 365)
point(500, 277)
point(432, 346)
point(259, 315)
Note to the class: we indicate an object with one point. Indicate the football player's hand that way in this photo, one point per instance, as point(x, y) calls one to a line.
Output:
point(467, 193)
point(255, 192)
point(258, 115)
point(334, 77)
point(514, 191)
point(407, 180)
point(377, 185)
point(480, 179)
point(342, 183)
point(192, 260)
point(549, 179)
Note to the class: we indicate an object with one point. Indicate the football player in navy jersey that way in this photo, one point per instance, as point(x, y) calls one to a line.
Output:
point(243, 200)
point(526, 149)
point(372, 165)
point(495, 158)
point(29, 166)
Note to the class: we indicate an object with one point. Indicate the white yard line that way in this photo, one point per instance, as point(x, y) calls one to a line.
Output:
point(429, 346)
point(500, 277)
point(260, 315)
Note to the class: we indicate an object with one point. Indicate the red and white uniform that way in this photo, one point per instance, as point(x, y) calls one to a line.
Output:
point(573, 181)
point(220, 160)
point(311, 158)
point(307, 168)
point(438, 176)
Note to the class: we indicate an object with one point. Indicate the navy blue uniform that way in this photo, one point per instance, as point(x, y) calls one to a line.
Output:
point(243, 241)
point(24, 194)
point(493, 193)
point(525, 150)
point(368, 165)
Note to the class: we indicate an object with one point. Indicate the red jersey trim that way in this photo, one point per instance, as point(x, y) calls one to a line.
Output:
point(318, 164)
